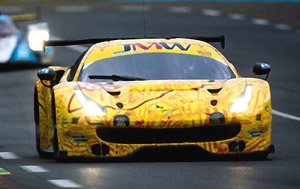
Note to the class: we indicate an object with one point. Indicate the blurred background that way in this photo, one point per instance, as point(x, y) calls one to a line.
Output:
point(255, 32)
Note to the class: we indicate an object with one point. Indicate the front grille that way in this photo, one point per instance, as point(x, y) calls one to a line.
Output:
point(168, 135)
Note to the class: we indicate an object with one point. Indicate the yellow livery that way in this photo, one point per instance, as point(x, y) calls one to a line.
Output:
point(122, 96)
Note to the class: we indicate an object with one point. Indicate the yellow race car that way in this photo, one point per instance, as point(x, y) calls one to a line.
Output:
point(122, 96)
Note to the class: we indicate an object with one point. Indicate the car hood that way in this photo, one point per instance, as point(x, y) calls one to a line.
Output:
point(159, 103)
point(135, 92)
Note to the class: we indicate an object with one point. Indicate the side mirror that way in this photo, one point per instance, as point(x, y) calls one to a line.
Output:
point(47, 74)
point(262, 69)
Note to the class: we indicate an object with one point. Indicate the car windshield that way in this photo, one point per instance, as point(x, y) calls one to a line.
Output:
point(6, 28)
point(156, 66)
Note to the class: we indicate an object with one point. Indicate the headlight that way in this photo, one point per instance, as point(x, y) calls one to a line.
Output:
point(37, 34)
point(90, 107)
point(241, 103)
point(36, 39)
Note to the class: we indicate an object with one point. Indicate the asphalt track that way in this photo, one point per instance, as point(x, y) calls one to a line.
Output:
point(247, 43)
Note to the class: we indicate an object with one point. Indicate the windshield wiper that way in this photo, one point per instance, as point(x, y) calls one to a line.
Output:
point(116, 77)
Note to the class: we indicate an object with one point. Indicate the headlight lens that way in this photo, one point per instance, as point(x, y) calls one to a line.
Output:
point(36, 39)
point(90, 107)
point(241, 103)
point(37, 34)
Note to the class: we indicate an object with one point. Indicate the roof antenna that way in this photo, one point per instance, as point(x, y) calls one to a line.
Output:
point(144, 18)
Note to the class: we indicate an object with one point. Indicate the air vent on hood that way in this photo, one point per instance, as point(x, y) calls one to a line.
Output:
point(214, 91)
point(114, 93)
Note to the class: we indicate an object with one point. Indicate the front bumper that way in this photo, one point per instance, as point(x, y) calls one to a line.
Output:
point(95, 141)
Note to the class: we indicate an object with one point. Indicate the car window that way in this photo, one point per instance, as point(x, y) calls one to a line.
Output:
point(158, 66)
point(75, 66)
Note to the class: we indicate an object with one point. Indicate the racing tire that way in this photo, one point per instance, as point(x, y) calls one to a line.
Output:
point(42, 153)
point(60, 156)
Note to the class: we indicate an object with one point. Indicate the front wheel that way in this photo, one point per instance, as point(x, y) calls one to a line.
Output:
point(42, 153)
point(60, 156)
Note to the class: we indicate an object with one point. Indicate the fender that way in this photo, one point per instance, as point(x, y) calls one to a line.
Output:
point(45, 110)
point(45, 124)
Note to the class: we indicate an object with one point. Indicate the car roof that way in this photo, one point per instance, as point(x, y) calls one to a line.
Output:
point(115, 48)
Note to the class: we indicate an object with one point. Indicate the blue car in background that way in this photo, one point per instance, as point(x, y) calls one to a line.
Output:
point(17, 46)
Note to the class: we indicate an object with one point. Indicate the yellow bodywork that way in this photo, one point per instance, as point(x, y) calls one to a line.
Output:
point(153, 104)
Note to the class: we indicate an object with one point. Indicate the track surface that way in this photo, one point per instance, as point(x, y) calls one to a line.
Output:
point(246, 44)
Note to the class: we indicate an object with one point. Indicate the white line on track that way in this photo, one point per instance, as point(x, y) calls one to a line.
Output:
point(180, 10)
point(236, 16)
point(73, 9)
point(8, 155)
point(134, 8)
point(209, 12)
point(260, 21)
point(285, 115)
point(80, 49)
point(64, 183)
point(77, 48)
point(34, 169)
point(282, 26)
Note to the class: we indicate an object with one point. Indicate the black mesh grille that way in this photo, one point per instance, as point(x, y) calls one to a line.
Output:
point(168, 135)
